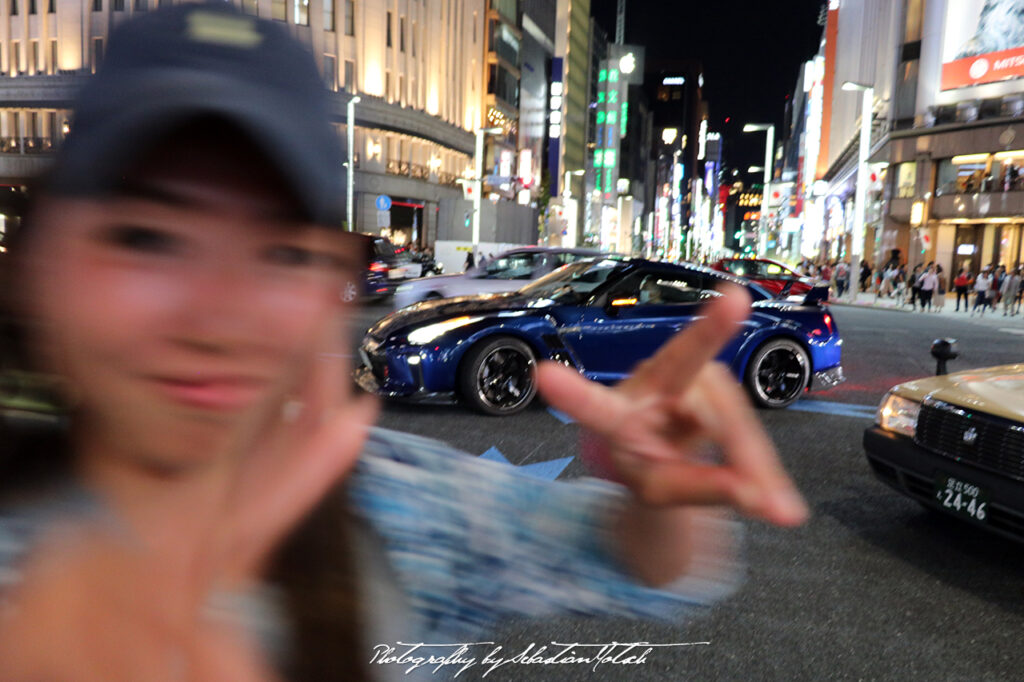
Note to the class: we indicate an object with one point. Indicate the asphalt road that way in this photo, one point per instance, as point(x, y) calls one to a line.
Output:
point(872, 588)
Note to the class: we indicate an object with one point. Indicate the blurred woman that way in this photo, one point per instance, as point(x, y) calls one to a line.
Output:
point(211, 503)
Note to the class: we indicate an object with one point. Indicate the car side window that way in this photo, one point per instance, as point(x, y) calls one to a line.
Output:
point(512, 266)
point(654, 288)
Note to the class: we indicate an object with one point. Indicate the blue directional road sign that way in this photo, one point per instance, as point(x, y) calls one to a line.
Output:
point(383, 202)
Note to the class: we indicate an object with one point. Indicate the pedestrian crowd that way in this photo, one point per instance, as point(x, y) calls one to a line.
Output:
point(925, 286)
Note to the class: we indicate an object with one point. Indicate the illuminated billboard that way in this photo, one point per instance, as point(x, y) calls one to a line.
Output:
point(983, 42)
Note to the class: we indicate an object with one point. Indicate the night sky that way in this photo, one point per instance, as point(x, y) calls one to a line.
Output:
point(751, 50)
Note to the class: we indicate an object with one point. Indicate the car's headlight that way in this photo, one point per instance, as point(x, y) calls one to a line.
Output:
point(427, 334)
point(898, 414)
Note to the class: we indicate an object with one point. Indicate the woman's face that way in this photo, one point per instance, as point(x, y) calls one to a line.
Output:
point(182, 305)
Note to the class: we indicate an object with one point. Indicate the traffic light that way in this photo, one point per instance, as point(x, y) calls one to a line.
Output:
point(468, 218)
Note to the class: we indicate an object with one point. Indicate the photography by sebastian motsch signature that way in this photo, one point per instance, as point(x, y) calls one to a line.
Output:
point(461, 656)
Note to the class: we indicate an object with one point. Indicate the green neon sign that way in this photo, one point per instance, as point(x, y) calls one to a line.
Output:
point(601, 115)
point(602, 75)
point(625, 117)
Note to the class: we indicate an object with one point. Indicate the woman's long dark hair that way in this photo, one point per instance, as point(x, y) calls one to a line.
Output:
point(314, 568)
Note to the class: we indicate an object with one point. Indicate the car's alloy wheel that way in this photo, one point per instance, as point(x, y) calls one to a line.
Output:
point(497, 376)
point(778, 373)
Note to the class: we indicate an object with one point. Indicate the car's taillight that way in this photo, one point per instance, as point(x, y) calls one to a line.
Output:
point(378, 267)
point(828, 323)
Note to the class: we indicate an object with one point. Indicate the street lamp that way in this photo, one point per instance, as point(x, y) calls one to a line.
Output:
point(769, 145)
point(860, 196)
point(351, 156)
point(478, 183)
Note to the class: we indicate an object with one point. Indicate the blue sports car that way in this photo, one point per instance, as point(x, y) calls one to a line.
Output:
point(601, 316)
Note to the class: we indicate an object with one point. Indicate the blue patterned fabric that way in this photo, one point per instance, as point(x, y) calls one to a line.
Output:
point(473, 541)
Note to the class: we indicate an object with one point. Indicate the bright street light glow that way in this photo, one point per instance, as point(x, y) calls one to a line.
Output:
point(627, 64)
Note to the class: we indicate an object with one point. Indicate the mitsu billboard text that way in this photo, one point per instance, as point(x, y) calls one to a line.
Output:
point(984, 42)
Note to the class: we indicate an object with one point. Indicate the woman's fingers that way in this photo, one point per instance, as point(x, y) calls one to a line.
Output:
point(749, 451)
point(285, 493)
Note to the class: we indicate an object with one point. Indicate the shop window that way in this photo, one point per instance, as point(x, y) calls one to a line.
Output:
point(350, 76)
point(906, 180)
point(301, 12)
point(329, 15)
point(330, 72)
point(279, 10)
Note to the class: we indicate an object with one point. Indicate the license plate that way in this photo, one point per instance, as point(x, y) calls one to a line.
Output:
point(961, 498)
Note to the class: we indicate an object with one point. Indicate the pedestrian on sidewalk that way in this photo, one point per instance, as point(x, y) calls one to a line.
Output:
point(1008, 291)
point(940, 292)
point(962, 283)
point(914, 285)
point(842, 278)
point(865, 275)
point(983, 290)
point(928, 284)
point(1020, 290)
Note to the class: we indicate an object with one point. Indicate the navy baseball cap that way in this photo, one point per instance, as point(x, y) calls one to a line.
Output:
point(178, 63)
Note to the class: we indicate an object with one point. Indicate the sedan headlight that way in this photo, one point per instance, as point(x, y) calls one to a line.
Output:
point(898, 414)
point(430, 332)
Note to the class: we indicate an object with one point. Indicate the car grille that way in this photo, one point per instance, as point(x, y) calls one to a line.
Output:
point(972, 438)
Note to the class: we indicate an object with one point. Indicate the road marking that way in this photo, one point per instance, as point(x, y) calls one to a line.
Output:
point(561, 416)
point(547, 471)
point(837, 409)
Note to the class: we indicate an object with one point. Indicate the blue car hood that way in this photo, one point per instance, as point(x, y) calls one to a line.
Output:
point(427, 312)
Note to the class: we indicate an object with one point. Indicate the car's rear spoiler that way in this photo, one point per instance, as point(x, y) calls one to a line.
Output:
point(817, 295)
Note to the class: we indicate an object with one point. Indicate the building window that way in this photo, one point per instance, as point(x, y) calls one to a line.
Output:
point(400, 96)
point(278, 10)
point(31, 6)
point(15, 56)
point(350, 17)
point(331, 72)
point(14, 8)
point(34, 63)
point(54, 61)
point(350, 77)
point(51, 6)
point(117, 6)
point(387, 86)
point(251, 7)
point(413, 38)
point(301, 12)
point(97, 5)
point(97, 52)
point(401, 34)
point(389, 42)
point(51, 125)
point(140, 5)
point(328, 15)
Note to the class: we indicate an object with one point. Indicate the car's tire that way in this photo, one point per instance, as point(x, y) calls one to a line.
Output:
point(778, 373)
point(497, 376)
point(432, 296)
